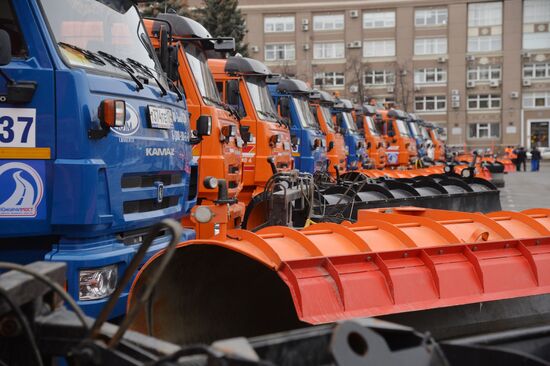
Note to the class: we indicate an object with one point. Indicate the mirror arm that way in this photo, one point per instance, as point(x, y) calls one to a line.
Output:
point(6, 77)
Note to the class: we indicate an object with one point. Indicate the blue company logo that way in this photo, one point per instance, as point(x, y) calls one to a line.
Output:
point(131, 126)
point(392, 157)
point(21, 190)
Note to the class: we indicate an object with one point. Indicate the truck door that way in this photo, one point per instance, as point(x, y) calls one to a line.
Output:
point(27, 115)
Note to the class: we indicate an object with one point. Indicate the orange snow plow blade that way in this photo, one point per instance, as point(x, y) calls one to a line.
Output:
point(391, 261)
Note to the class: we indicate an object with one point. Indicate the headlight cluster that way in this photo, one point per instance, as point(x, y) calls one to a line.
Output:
point(97, 283)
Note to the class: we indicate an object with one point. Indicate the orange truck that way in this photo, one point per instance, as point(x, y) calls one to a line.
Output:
point(242, 82)
point(376, 144)
point(439, 145)
point(401, 150)
point(337, 151)
point(218, 154)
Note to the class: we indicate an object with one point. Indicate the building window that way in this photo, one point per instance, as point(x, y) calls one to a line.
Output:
point(387, 102)
point(483, 130)
point(485, 43)
point(379, 77)
point(485, 21)
point(382, 19)
point(328, 50)
point(536, 100)
point(430, 46)
point(278, 24)
point(536, 30)
point(329, 79)
point(483, 101)
point(280, 52)
point(328, 22)
point(381, 48)
point(430, 17)
point(484, 73)
point(536, 71)
point(430, 76)
point(434, 103)
point(485, 14)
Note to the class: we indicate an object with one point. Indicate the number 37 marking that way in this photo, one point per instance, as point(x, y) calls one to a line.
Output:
point(17, 127)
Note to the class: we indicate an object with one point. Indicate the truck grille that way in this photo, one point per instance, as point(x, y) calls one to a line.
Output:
point(148, 180)
point(147, 205)
point(131, 182)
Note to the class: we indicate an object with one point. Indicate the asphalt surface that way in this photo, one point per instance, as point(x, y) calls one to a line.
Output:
point(527, 189)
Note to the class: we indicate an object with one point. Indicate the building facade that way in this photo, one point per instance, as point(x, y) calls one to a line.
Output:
point(480, 69)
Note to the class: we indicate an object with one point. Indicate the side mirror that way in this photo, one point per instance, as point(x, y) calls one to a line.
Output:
point(204, 126)
point(245, 133)
point(5, 48)
point(232, 92)
point(284, 107)
point(330, 146)
point(224, 45)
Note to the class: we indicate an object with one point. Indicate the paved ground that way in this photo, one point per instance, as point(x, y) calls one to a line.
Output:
point(527, 189)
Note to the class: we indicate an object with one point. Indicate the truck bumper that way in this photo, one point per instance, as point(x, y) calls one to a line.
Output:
point(98, 254)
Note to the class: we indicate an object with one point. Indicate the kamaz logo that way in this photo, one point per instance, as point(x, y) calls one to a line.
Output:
point(160, 192)
point(159, 151)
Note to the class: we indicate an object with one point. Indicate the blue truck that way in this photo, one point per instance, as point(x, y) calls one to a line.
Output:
point(355, 141)
point(291, 96)
point(94, 141)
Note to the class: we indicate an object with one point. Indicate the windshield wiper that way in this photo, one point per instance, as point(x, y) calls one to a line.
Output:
point(116, 62)
point(225, 106)
point(281, 121)
point(145, 70)
point(89, 55)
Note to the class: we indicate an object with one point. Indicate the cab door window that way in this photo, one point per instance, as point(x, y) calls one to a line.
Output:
point(9, 23)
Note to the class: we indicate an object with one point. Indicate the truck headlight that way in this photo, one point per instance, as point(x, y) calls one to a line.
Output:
point(97, 283)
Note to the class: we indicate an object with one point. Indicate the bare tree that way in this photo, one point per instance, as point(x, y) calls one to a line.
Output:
point(357, 69)
point(403, 90)
point(286, 69)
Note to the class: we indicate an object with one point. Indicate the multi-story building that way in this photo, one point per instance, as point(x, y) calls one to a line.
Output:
point(481, 69)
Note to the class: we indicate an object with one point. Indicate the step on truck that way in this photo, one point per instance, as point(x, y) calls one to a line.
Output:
point(94, 144)
point(218, 150)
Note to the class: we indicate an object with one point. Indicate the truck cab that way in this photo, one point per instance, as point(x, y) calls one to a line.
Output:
point(424, 146)
point(355, 141)
point(309, 145)
point(375, 142)
point(321, 103)
point(438, 143)
point(401, 150)
point(94, 141)
point(217, 153)
point(242, 83)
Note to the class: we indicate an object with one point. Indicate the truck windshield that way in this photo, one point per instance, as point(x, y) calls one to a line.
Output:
point(263, 103)
point(403, 130)
point(414, 130)
point(201, 72)
point(307, 120)
point(105, 35)
point(328, 117)
point(350, 124)
point(425, 133)
point(371, 127)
